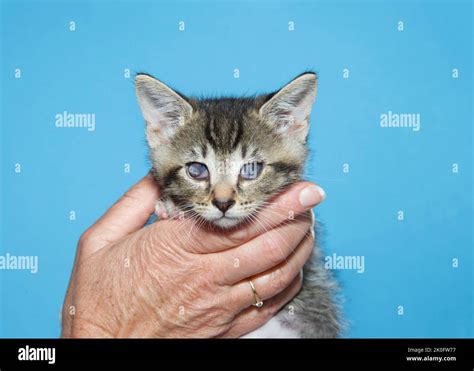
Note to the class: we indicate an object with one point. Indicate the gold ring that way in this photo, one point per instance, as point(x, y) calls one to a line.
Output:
point(258, 300)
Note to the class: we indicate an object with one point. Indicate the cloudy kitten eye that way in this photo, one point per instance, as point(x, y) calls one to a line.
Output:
point(251, 170)
point(198, 171)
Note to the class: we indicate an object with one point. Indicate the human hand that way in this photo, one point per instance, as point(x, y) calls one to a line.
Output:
point(175, 279)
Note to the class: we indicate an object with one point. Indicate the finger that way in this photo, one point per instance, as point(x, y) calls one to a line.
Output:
point(294, 201)
point(253, 318)
point(127, 215)
point(261, 253)
point(274, 281)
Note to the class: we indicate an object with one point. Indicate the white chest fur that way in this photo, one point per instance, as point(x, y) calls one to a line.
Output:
point(272, 329)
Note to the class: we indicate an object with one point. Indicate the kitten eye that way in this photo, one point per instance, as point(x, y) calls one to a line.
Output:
point(198, 171)
point(251, 170)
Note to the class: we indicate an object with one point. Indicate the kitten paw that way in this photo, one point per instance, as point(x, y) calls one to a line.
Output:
point(160, 210)
point(165, 209)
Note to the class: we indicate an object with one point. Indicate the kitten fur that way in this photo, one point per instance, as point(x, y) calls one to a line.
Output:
point(224, 134)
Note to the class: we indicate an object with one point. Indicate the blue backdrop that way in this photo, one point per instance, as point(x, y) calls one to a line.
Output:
point(398, 197)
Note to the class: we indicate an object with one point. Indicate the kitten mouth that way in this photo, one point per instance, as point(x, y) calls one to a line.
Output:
point(226, 217)
point(225, 221)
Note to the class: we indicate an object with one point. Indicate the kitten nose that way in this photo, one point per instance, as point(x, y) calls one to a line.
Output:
point(223, 196)
point(223, 205)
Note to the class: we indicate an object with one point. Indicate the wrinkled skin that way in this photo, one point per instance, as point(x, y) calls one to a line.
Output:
point(170, 279)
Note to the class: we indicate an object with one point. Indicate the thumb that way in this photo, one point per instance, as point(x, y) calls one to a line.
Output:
point(127, 215)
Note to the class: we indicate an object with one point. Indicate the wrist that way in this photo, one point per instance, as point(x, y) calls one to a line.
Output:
point(85, 329)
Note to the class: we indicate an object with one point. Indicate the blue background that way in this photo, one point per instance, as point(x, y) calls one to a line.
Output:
point(407, 263)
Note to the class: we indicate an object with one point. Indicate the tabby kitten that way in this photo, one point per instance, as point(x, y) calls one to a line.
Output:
point(222, 159)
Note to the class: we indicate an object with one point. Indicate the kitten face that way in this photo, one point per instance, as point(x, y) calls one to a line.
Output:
point(222, 159)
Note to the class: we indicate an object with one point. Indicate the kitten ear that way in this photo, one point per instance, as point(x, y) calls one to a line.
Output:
point(164, 109)
point(288, 110)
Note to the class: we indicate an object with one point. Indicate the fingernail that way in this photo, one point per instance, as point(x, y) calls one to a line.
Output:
point(312, 195)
